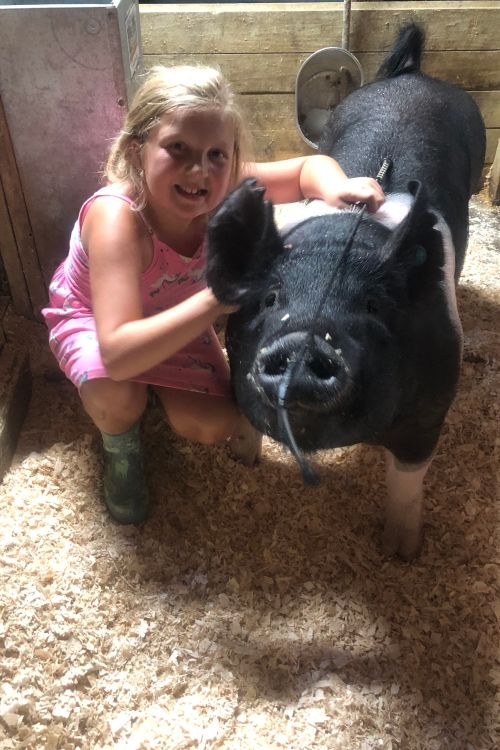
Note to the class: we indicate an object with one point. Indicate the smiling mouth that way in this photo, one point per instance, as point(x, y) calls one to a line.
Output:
point(191, 192)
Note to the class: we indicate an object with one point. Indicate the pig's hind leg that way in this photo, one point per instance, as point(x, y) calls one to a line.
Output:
point(404, 509)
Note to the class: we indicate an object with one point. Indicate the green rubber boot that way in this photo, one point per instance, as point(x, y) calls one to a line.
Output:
point(125, 491)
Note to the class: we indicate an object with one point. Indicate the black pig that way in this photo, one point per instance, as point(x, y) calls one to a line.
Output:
point(378, 361)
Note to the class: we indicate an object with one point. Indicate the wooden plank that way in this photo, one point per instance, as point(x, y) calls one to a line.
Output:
point(295, 27)
point(260, 48)
point(259, 81)
point(21, 302)
point(489, 104)
point(5, 302)
point(492, 136)
point(15, 395)
point(20, 223)
point(449, 25)
point(270, 121)
point(273, 144)
point(271, 124)
point(276, 71)
point(494, 180)
point(472, 70)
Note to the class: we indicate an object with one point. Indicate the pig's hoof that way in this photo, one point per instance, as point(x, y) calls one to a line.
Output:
point(401, 541)
point(246, 444)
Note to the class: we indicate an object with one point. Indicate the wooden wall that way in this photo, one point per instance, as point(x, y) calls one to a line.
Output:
point(260, 47)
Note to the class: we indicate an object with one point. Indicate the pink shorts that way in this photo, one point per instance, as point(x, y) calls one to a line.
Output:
point(201, 366)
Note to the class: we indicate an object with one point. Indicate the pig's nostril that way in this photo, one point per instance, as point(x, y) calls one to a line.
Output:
point(313, 373)
point(275, 364)
point(323, 368)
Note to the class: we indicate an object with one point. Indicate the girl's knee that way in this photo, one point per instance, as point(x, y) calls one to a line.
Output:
point(217, 429)
point(114, 406)
point(200, 418)
point(206, 429)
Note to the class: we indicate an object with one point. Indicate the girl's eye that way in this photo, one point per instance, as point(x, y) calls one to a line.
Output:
point(218, 155)
point(177, 148)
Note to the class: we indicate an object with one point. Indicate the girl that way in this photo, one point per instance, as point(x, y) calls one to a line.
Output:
point(129, 306)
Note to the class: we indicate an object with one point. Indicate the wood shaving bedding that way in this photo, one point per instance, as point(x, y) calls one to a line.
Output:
point(250, 611)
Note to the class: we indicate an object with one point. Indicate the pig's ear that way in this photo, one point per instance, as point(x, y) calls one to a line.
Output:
point(242, 243)
point(416, 243)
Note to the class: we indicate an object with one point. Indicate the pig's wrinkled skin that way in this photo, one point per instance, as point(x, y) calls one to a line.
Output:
point(383, 362)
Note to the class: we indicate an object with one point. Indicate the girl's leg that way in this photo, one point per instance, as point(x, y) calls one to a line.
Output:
point(116, 408)
point(197, 416)
point(113, 406)
point(210, 419)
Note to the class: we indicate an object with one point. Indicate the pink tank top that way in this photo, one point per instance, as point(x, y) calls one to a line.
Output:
point(169, 279)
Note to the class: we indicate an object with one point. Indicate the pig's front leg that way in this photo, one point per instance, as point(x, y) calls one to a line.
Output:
point(403, 513)
point(245, 443)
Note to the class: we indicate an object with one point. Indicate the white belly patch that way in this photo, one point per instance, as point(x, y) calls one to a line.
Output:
point(392, 213)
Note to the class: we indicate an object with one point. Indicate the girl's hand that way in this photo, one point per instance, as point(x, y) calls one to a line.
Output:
point(322, 177)
point(316, 176)
point(354, 190)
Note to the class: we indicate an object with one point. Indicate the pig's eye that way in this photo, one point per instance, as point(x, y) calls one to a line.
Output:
point(420, 255)
point(371, 306)
point(271, 298)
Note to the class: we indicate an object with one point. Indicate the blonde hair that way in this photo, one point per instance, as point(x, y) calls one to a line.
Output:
point(164, 91)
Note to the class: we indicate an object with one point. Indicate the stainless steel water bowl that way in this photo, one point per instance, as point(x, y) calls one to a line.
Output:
point(324, 79)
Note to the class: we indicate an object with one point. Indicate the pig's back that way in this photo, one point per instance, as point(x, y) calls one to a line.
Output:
point(431, 131)
point(427, 127)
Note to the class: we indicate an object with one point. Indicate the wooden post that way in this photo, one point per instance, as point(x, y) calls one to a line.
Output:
point(494, 186)
point(15, 395)
point(17, 245)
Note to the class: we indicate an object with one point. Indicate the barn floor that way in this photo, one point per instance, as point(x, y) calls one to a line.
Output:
point(250, 611)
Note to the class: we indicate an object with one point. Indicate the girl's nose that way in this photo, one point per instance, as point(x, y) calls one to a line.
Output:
point(200, 163)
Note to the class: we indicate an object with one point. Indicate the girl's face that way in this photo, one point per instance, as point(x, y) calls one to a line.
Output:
point(187, 161)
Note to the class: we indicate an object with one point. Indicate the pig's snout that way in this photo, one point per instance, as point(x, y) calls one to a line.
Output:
point(320, 374)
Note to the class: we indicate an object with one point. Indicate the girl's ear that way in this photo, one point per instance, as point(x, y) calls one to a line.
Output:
point(135, 153)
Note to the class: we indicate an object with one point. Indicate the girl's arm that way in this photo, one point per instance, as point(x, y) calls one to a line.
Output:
point(316, 176)
point(117, 244)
